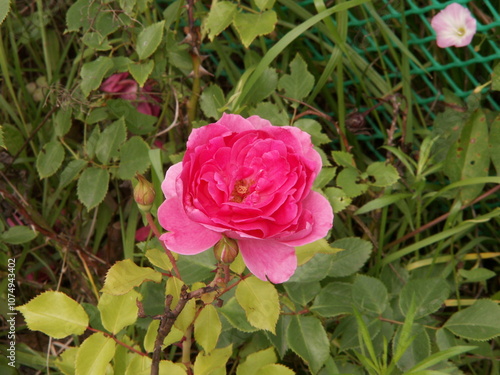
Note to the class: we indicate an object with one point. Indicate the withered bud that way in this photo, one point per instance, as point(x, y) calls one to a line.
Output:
point(144, 194)
point(226, 250)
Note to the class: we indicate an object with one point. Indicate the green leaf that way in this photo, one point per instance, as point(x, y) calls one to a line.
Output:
point(419, 349)
point(495, 141)
point(280, 340)
point(186, 317)
point(137, 122)
point(264, 4)
point(236, 316)
point(49, 159)
point(141, 72)
point(70, 172)
point(93, 72)
point(95, 354)
point(369, 294)
point(337, 198)
point(212, 101)
point(134, 158)
point(299, 83)
point(18, 235)
point(63, 121)
point(429, 295)
point(275, 369)
point(477, 274)
point(265, 86)
point(118, 312)
point(441, 356)
point(381, 202)
point(260, 301)
point(159, 259)
point(384, 174)
point(92, 186)
point(250, 26)
point(307, 338)
point(481, 321)
point(207, 328)
point(333, 300)
point(348, 179)
point(204, 364)
point(302, 293)
point(124, 275)
point(314, 129)
point(314, 270)
point(343, 159)
point(271, 112)
point(219, 18)
point(110, 140)
point(2, 141)
point(149, 39)
point(356, 253)
point(253, 362)
point(81, 14)
point(55, 314)
point(66, 361)
point(495, 78)
point(469, 156)
point(4, 10)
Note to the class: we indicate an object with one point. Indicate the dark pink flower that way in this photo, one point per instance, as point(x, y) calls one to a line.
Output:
point(454, 26)
point(144, 99)
point(251, 181)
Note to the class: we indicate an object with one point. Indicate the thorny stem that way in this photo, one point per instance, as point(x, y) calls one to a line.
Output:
point(440, 219)
point(156, 232)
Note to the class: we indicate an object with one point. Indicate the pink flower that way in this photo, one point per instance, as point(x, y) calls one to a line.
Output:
point(126, 88)
point(454, 26)
point(251, 181)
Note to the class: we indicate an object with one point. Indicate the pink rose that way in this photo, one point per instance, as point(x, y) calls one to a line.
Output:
point(251, 181)
point(126, 88)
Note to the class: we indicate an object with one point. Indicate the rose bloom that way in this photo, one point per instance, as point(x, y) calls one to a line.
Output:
point(250, 181)
point(454, 26)
point(127, 88)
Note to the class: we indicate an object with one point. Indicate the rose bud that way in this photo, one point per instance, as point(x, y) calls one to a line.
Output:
point(144, 194)
point(226, 250)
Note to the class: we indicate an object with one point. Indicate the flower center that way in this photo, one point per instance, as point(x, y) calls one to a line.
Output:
point(240, 191)
point(461, 31)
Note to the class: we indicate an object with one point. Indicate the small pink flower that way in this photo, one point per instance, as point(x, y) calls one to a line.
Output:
point(250, 181)
point(454, 26)
point(126, 88)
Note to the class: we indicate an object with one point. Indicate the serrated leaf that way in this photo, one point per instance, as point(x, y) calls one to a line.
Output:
point(55, 314)
point(275, 369)
point(93, 72)
point(66, 361)
point(349, 180)
point(159, 259)
point(419, 349)
point(302, 293)
point(265, 86)
point(253, 362)
point(307, 338)
point(481, 321)
point(49, 159)
point(250, 26)
point(149, 39)
point(110, 140)
point(204, 363)
point(18, 235)
point(4, 10)
point(125, 275)
point(469, 155)
point(334, 299)
point(118, 312)
point(63, 121)
point(236, 316)
point(219, 18)
point(260, 301)
point(356, 253)
point(175, 335)
point(70, 172)
point(141, 72)
point(369, 294)
point(212, 100)
point(306, 252)
point(137, 122)
point(384, 174)
point(81, 14)
point(337, 198)
point(477, 274)
point(134, 158)
point(314, 129)
point(187, 315)
point(343, 159)
point(94, 355)
point(207, 328)
point(299, 83)
point(92, 186)
point(264, 4)
point(429, 295)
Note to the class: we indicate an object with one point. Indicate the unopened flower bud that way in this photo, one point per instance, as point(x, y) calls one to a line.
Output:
point(226, 250)
point(144, 194)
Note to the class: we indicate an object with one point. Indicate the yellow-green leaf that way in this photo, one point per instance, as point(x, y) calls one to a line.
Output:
point(275, 369)
point(206, 363)
point(175, 335)
point(207, 328)
point(66, 361)
point(124, 275)
point(174, 287)
point(255, 361)
point(159, 259)
point(260, 301)
point(55, 314)
point(250, 26)
point(120, 311)
point(186, 317)
point(94, 355)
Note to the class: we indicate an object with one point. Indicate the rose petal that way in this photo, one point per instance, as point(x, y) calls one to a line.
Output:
point(268, 260)
point(185, 236)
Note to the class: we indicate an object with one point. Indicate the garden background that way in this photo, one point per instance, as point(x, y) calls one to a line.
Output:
point(95, 93)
